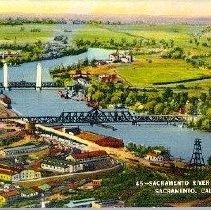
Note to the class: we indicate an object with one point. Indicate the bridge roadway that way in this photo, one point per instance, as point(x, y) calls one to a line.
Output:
point(24, 84)
point(96, 116)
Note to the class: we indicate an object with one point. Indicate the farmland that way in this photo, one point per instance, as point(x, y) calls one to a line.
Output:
point(26, 33)
point(145, 73)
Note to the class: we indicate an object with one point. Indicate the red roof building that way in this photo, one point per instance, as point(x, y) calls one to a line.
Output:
point(91, 154)
point(10, 168)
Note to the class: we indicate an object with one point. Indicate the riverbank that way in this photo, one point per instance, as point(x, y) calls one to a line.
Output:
point(5, 112)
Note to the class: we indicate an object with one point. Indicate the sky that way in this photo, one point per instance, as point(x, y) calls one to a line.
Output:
point(184, 8)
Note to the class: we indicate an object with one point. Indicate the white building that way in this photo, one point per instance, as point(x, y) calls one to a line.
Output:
point(61, 166)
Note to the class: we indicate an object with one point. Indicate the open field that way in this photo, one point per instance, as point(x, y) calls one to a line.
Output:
point(101, 33)
point(22, 33)
point(143, 73)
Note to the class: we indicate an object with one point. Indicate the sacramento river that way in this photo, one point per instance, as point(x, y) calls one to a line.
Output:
point(30, 102)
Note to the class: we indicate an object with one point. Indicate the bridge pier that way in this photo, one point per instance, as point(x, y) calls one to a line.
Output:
point(39, 77)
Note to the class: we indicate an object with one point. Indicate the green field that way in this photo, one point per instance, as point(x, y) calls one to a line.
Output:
point(181, 34)
point(142, 73)
point(100, 32)
point(22, 33)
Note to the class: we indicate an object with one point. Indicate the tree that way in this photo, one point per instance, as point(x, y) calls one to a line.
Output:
point(159, 108)
point(209, 161)
point(167, 94)
point(208, 113)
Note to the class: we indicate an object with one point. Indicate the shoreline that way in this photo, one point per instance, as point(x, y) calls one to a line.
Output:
point(5, 112)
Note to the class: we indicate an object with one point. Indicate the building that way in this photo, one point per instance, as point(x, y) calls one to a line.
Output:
point(114, 57)
point(83, 203)
point(9, 54)
point(88, 156)
point(94, 160)
point(60, 166)
point(9, 197)
point(29, 174)
point(22, 150)
point(156, 155)
point(28, 193)
point(91, 185)
point(108, 204)
point(84, 82)
point(8, 175)
point(124, 57)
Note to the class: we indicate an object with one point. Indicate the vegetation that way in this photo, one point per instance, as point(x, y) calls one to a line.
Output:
point(122, 185)
point(141, 150)
point(164, 101)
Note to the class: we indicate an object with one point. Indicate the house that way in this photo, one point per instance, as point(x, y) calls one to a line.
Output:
point(114, 57)
point(108, 78)
point(9, 197)
point(91, 185)
point(28, 193)
point(83, 203)
point(29, 174)
point(156, 155)
point(124, 57)
point(60, 166)
point(84, 82)
point(108, 204)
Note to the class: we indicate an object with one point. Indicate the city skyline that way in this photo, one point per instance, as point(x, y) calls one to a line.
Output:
point(188, 8)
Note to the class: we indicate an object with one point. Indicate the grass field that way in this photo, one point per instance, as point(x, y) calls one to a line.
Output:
point(92, 32)
point(143, 73)
point(23, 34)
point(181, 34)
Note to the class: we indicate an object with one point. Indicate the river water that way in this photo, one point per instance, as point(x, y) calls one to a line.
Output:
point(32, 103)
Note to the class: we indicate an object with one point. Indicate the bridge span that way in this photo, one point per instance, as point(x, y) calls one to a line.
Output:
point(24, 84)
point(96, 116)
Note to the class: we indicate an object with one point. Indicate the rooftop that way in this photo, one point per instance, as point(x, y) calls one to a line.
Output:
point(76, 203)
point(9, 193)
point(57, 162)
point(10, 168)
point(90, 154)
point(20, 148)
point(8, 172)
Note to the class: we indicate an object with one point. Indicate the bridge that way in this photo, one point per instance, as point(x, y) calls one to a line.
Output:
point(23, 84)
point(96, 116)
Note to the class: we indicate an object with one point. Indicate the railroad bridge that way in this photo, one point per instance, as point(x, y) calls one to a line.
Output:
point(96, 116)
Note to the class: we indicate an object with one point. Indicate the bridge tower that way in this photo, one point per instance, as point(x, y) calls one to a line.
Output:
point(197, 160)
point(39, 77)
point(5, 70)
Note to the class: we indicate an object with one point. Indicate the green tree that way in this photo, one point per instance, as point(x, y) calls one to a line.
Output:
point(209, 161)
point(159, 108)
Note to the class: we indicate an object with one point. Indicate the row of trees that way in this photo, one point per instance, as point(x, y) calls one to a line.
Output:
point(124, 43)
point(21, 21)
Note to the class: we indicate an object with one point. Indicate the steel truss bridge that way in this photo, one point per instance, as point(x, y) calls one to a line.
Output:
point(24, 84)
point(96, 116)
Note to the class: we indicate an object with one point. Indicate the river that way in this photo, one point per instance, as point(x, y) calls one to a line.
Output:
point(30, 102)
